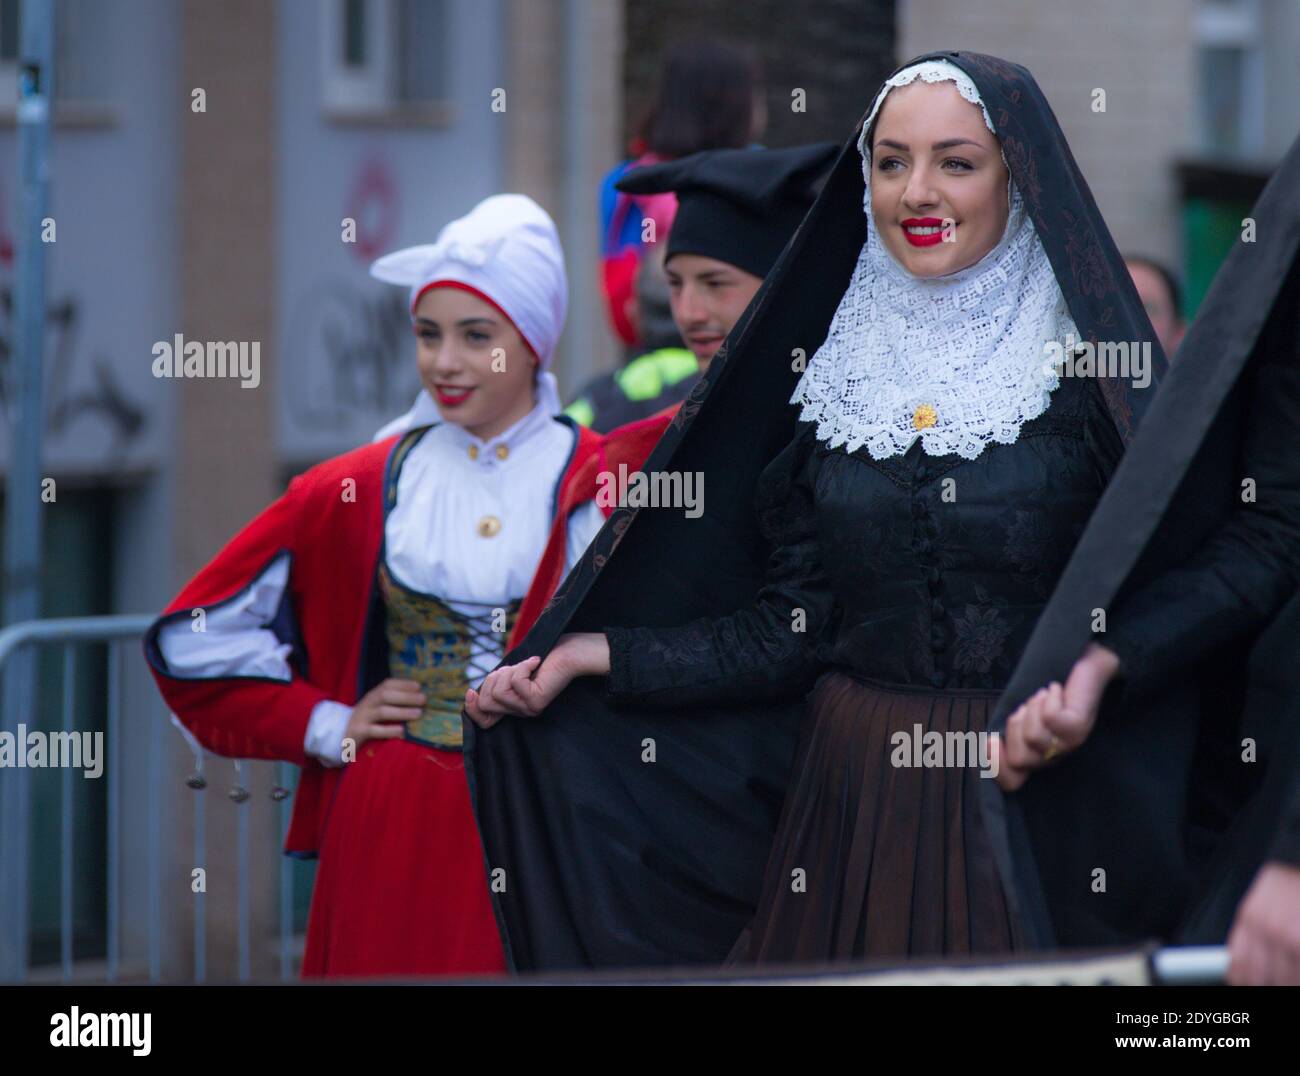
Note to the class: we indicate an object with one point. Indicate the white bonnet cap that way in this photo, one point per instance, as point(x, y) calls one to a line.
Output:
point(505, 248)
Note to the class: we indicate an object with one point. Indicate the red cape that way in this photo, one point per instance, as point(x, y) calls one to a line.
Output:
point(629, 444)
point(330, 522)
point(400, 890)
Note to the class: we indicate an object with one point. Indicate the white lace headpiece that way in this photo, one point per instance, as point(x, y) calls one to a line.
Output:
point(958, 361)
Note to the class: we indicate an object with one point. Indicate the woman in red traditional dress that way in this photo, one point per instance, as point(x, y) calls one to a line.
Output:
point(340, 629)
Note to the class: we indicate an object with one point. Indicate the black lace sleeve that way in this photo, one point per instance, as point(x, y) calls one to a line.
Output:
point(770, 647)
point(1250, 566)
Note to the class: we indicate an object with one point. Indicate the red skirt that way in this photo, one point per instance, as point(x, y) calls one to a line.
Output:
point(401, 888)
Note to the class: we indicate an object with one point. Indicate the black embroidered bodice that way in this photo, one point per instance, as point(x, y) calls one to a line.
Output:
point(915, 570)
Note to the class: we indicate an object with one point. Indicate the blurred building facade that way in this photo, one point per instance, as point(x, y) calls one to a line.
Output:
point(1202, 98)
point(226, 172)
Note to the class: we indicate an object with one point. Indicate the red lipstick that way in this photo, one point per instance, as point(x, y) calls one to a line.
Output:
point(451, 396)
point(932, 234)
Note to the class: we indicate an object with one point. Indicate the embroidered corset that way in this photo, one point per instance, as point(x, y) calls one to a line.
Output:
point(444, 650)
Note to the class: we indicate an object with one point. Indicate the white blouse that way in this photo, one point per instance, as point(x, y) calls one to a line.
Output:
point(470, 523)
point(484, 506)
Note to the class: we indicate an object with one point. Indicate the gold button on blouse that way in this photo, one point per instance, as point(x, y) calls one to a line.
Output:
point(502, 451)
point(488, 526)
point(473, 452)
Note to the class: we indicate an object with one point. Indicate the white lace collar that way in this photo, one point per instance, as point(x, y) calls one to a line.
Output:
point(958, 361)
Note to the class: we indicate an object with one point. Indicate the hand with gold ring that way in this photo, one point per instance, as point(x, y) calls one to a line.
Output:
point(1055, 720)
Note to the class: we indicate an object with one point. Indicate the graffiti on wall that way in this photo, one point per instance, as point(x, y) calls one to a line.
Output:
point(71, 395)
point(353, 353)
point(350, 349)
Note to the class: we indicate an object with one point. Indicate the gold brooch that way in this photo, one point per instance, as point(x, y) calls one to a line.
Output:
point(488, 526)
point(924, 416)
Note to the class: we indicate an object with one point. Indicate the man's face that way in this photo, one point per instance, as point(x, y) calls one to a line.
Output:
point(707, 298)
point(1154, 293)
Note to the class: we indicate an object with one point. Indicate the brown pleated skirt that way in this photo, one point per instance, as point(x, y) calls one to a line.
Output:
point(872, 859)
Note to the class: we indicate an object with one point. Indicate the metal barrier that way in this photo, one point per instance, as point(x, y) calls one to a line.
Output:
point(1135, 967)
point(15, 815)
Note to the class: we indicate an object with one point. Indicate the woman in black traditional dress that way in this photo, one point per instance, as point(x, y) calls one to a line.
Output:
point(1205, 627)
point(938, 477)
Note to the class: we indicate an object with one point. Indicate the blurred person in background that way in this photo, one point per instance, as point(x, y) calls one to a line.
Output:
point(709, 96)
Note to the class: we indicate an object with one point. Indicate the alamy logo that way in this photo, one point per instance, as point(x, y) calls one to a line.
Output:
point(946, 750)
point(658, 489)
point(1130, 359)
point(34, 749)
point(76, 1028)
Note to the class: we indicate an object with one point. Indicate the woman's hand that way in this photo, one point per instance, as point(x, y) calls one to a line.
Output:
point(1054, 721)
point(382, 712)
point(529, 687)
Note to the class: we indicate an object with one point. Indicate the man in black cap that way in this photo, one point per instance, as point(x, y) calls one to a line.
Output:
point(736, 211)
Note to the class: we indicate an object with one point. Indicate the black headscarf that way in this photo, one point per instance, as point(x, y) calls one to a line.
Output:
point(609, 861)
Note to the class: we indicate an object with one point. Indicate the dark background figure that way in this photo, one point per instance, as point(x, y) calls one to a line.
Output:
point(708, 95)
point(830, 52)
point(703, 74)
point(1162, 296)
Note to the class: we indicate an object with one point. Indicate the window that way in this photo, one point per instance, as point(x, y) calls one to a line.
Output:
point(386, 60)
point(80, 58)
point(1230, 78)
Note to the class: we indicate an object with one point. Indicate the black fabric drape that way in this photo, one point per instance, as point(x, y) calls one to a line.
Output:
point(602, 859)
point(1164, 769)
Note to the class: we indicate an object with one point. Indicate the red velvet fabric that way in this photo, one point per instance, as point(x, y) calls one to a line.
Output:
point(401, 888)
point(629, 444)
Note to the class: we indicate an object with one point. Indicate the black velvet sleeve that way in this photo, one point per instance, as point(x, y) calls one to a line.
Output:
point(759, 649)
point(1244, 573)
